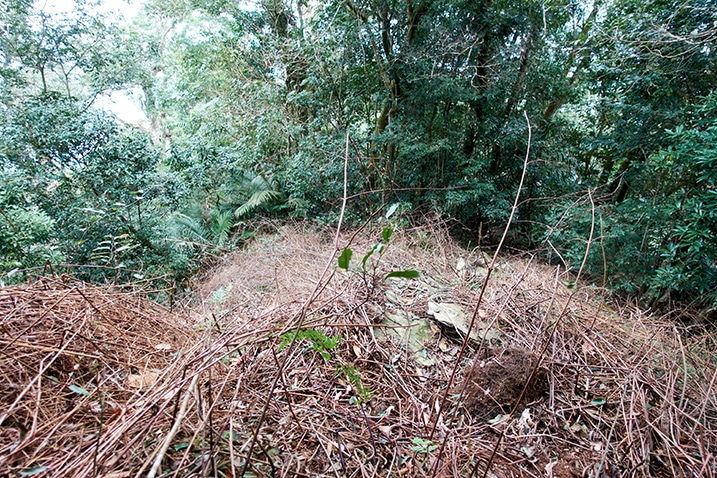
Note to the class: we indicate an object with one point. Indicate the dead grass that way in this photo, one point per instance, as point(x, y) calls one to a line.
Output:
point(100, 382)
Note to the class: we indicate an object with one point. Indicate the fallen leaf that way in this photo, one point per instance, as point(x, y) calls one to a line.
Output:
point(141, 380)
point(549, 469)
point(34, 471)
point(526, 422)
point(78, 390)
point(496, 419)
point(386, 430)
point(169, 394)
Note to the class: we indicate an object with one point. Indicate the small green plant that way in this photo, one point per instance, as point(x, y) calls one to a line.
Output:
point(323, 344)
point(363, 393)
point(421, 445)
point(368, 269)
point(320, 342)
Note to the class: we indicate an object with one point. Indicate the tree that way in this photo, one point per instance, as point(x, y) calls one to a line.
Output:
point(647, 88)
point(78, 187)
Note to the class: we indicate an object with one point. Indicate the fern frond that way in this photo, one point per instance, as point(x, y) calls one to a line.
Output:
point(221, 225)
point(258, 199)
point(192, 228)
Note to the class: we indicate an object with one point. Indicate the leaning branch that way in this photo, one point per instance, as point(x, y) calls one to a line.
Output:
point(175, 428)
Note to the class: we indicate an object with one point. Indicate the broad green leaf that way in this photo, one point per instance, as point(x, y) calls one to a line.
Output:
point(387, 233)
point(34, 471)
point(407, 274)
point(345, 258)
point(78, 390)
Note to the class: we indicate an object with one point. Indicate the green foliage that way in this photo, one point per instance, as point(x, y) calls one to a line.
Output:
point(25, 238)
point(421, 445)
point(257, 192)
point(79, 189)
point(319, 342)
point(659, 240)
point(643, 129)
point(363, 393)
point(688, 166)
point(211, 231)
point(76, 187)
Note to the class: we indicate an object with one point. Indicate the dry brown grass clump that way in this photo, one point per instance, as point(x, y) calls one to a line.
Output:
point(620, 393)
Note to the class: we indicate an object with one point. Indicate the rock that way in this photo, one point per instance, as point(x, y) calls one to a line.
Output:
point(452, 315)
point(411, 331)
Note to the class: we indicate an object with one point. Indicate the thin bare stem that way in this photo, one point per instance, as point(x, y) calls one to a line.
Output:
point(301, 317)
point(484, 286)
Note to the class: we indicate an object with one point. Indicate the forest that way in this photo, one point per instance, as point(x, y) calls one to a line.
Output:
point(606, 108)
point(358, 238)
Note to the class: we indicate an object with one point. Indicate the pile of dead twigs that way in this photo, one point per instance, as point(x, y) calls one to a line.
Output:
point(73, 360)
point(97, 381)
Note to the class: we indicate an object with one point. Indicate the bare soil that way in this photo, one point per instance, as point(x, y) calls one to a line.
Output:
point(498, 383)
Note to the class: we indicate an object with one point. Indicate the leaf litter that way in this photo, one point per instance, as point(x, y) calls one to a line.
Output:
point(102, 382)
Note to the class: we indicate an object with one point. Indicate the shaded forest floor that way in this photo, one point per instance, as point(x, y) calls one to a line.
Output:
point(555, 381)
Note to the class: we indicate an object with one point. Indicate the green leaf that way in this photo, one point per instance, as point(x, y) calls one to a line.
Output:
point(495, 419)
point(34, 471)
point(598, 401)
point(407, 274)
point(387, 233)
point(421, 445)
point(345, 258)
point(376, 248)
point(78, 390)
point(570, 284)
point(256, 200)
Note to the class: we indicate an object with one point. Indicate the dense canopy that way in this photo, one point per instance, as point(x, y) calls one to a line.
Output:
point(249, 107)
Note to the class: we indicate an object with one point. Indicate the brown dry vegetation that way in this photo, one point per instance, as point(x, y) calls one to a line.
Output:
point(102, 382)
